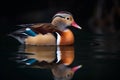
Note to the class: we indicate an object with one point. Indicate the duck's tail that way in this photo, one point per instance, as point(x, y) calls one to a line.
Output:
point(20, 35)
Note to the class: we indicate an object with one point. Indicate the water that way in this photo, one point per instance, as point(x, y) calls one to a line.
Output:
point(98, 55)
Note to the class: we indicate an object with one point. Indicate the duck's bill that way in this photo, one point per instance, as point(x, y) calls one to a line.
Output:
point(74, 24)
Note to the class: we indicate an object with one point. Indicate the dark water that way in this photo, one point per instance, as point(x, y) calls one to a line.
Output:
point(98, 55)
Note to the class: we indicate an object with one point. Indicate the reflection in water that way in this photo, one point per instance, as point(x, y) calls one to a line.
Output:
point(55, 58)
point(42, 53)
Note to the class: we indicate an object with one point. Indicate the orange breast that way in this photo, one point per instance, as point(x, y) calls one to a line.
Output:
point(67, 37)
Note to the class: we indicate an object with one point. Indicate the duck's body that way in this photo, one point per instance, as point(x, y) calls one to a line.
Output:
point(54, 33)
point(45, 35)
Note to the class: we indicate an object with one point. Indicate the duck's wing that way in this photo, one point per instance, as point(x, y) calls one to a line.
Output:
point(44, 28)
point(38, 28)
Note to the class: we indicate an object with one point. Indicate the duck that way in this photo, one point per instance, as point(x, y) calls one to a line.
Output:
point(54, 33)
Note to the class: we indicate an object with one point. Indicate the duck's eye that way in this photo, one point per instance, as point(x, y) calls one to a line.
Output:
point(68, 18)
point(68, 75)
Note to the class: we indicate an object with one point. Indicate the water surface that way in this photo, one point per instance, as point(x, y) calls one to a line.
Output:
point(98, 55)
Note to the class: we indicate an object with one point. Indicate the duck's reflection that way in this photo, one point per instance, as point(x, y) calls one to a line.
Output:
point(42, 53)
point(55, 58)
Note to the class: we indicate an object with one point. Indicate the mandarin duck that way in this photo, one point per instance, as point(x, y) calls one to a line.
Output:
point(54, 33)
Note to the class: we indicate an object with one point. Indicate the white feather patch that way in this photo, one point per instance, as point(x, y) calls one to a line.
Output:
point(58, 38)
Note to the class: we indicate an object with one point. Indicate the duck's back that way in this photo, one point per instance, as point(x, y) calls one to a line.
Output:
point(45, 34)
point(44, 28)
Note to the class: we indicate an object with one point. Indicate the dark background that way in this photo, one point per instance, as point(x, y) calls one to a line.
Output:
point(33, 11)
point(23, 12)
point(84, 11)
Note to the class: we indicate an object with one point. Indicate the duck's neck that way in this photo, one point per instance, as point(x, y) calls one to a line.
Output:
point(67, 37)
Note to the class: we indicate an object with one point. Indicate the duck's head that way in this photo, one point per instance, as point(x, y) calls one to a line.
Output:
point(64, 19)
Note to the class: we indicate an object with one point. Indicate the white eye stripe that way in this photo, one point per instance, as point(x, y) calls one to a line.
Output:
point(62, 15)
point(58, 16)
